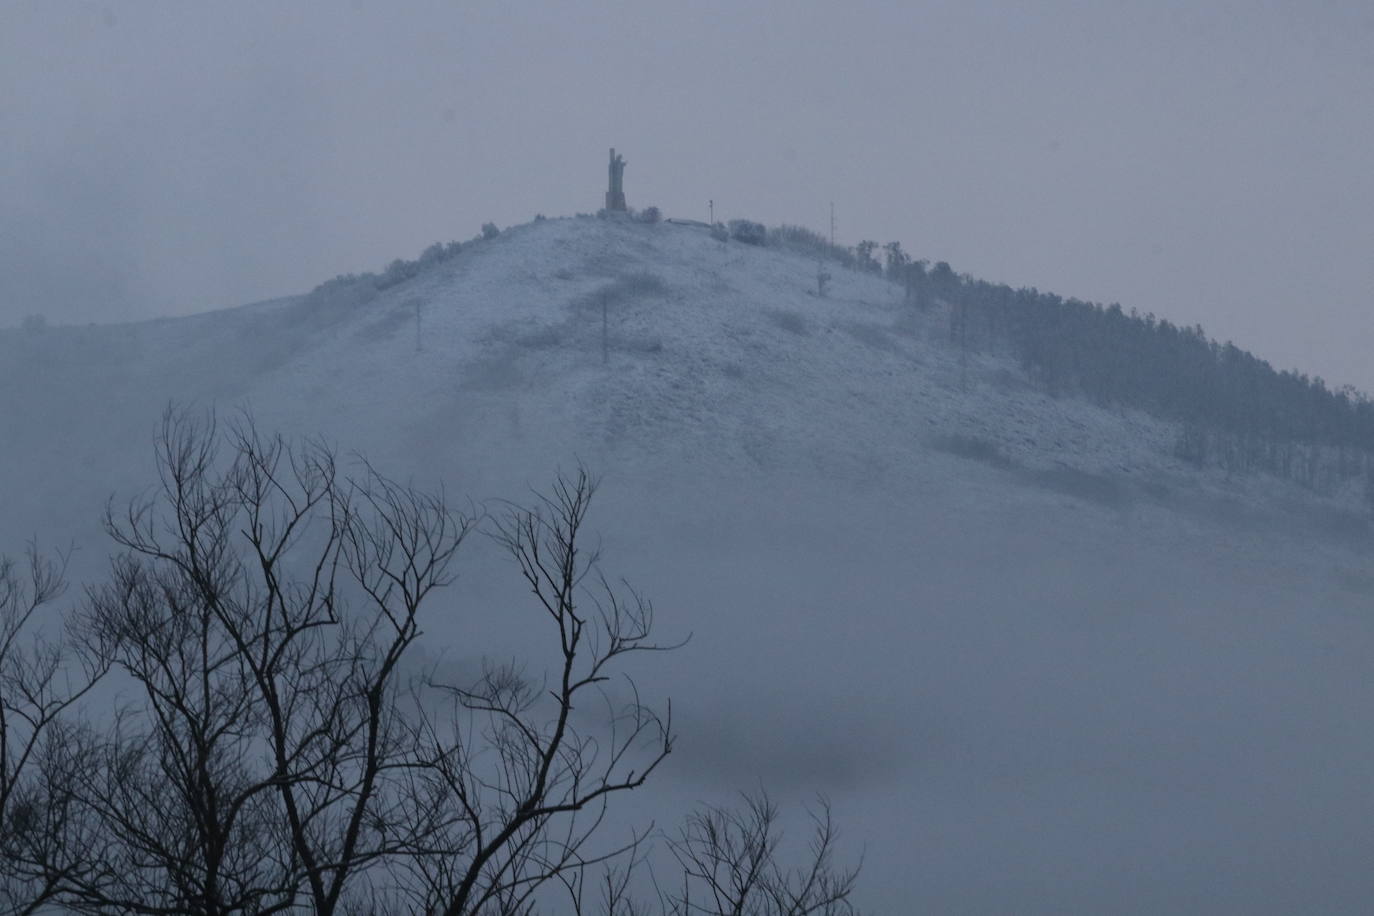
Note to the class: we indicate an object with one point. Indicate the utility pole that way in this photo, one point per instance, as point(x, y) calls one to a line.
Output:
point(711, 211)
point(832, 222)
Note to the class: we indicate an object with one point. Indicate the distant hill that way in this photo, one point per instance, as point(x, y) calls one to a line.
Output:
point(614, 338)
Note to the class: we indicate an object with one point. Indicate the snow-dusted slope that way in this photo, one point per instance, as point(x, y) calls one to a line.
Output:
point(717, 358)
point(1039, 665)
point(716, 353)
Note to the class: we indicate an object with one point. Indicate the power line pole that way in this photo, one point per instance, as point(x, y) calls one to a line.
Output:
point(711, 211)
point(832, 222)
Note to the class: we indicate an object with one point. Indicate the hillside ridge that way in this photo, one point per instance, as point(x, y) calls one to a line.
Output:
point(632, 345)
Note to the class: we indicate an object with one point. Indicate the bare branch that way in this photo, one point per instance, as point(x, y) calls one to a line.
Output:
point(41, 678)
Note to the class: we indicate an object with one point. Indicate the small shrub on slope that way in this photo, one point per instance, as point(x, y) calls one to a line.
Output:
point(748, 232)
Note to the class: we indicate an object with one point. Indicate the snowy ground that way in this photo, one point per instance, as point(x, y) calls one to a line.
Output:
point(1039, 665)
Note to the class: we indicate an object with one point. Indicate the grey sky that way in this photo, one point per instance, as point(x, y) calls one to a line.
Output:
point(1204, 161)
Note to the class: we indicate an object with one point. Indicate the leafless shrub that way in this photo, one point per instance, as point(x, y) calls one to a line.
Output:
point(731, 865)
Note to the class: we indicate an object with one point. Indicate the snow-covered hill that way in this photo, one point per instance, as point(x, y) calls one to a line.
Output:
point(1038, 664)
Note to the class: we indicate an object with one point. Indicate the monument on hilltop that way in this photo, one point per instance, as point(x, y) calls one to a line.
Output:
point(615, 195)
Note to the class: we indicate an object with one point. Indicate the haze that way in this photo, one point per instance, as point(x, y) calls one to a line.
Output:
point(1203, 161)
point(1040, 661)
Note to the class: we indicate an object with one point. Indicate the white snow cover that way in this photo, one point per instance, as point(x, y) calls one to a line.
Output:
point(1038, 664)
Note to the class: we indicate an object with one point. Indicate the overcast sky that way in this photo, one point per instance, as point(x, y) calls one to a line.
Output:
point(1207, 161)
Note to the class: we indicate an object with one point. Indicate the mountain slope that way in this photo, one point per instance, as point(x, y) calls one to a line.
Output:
point(717, 358)
point(1039, 664)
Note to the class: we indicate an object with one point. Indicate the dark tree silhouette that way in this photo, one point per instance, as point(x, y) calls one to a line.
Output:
point(42, 677)
point(277, 748)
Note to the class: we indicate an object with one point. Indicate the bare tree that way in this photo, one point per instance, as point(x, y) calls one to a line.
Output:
point(40, 679)
point(731, 866)
point(522, 805)
point(262, 608)
point(276, 747)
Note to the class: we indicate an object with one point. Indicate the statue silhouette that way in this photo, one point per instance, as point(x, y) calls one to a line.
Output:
point(615, 196)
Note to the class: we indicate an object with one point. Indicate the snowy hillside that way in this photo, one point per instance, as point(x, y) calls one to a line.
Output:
point(717, 356)
point(1022, 647)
